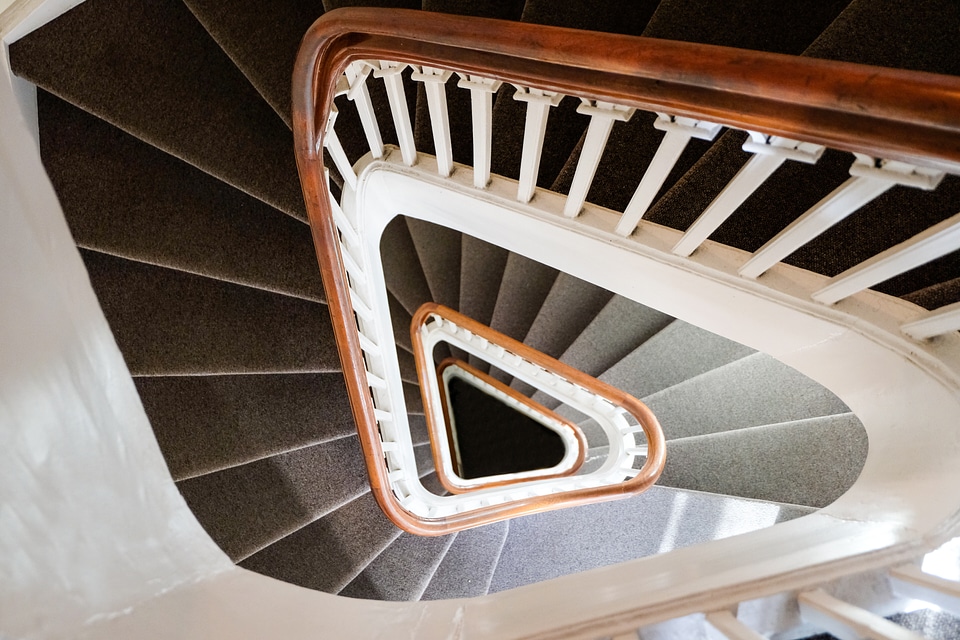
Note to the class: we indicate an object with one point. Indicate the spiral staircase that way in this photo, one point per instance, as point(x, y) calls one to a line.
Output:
point(164, 127)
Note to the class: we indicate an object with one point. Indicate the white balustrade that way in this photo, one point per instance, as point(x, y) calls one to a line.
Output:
point(678, 132)
point(356, 76)
point(847, 621)
point(481, 103)
point(391, 72)
point(539, 103)
point(924, 247)
point(332, 143)
point(435, 86)
point(934, 323)
point(602, 116)
point(869, 179)
point(769, 152)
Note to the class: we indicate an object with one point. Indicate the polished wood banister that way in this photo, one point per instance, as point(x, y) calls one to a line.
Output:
point(433, 428)
point(892, 114)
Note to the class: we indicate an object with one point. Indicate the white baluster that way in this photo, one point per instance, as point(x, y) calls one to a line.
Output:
point(435, 85)
point(535, 128)
point(731, 627)
point(356, 74)
point(602, 116)
point(934, 323)
point(332, 143)
point(911, 582)
point(678, 132)
point(870, 178)
point(847, 621)
point(769, 153)
point(931, 244)
point(481, 100)
point(392, 78)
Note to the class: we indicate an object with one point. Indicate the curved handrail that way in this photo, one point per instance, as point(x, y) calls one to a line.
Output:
point(451, 484)
point(887, 113)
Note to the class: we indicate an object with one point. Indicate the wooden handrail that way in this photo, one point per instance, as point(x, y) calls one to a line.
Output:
point(434, 429)
point(900, 115)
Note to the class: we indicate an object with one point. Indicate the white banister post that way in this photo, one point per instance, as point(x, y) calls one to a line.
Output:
point(332, 144)
point(481, 103)
point(870, 178)
point(731, 627)
point(358, 93)
point(535, 128)
point(602, 116)
point(678, 132)
point(922, 248)
point(392, 78)
point(435, 84)
point(845, 620)
point(769, 153)
point(934, 323)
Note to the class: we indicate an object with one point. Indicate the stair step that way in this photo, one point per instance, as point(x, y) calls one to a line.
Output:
point(157, 74)
point(806, 462)
point(678, 352)
point(208, 423)
point(327, 554)
point(468, 566)
point(172, 323)
point(262, 39)
point(401, 267)
point(568, 309)
point(936, 295)
point(402, 570)
point(617, 330)
point(125, 198)
point(753, 391)
point(438, 250)
point(247, 508)
point(540, 547)
point(481, 270)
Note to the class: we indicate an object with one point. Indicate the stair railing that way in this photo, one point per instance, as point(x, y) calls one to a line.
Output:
point(902, 127)
point(621, 416)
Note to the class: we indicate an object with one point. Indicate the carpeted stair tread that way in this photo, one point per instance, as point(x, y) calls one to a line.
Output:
point(678, 352)
point(749, 392)
point(401, 267)
point(468, 566)
point(402, 570)
point(568, 309)
point(617, 330)
point(413, 399)
point(540, 547)
point(172, 323)
point(208, 423)
point(247, 508)
point(124, 197)
point(152, 70)
point(937, 295)
point(481, 270)
point(807, 462)
point(262, 39)
point(408, 367)
point(327, 554)
point(438, 250)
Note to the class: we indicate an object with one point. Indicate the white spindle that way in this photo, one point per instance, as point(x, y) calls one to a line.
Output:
point(602, 116)
point(481, 101)
point(870, 178)
point(678, 132)
point(435, 85)
point(356, 75)
point(936, 241)
point(911, 582)
point(769, 152)
point(392, 78)
point(847, 621)
point(332, 142)
point(538, 108)
point(731, 627)
point(934, 323)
